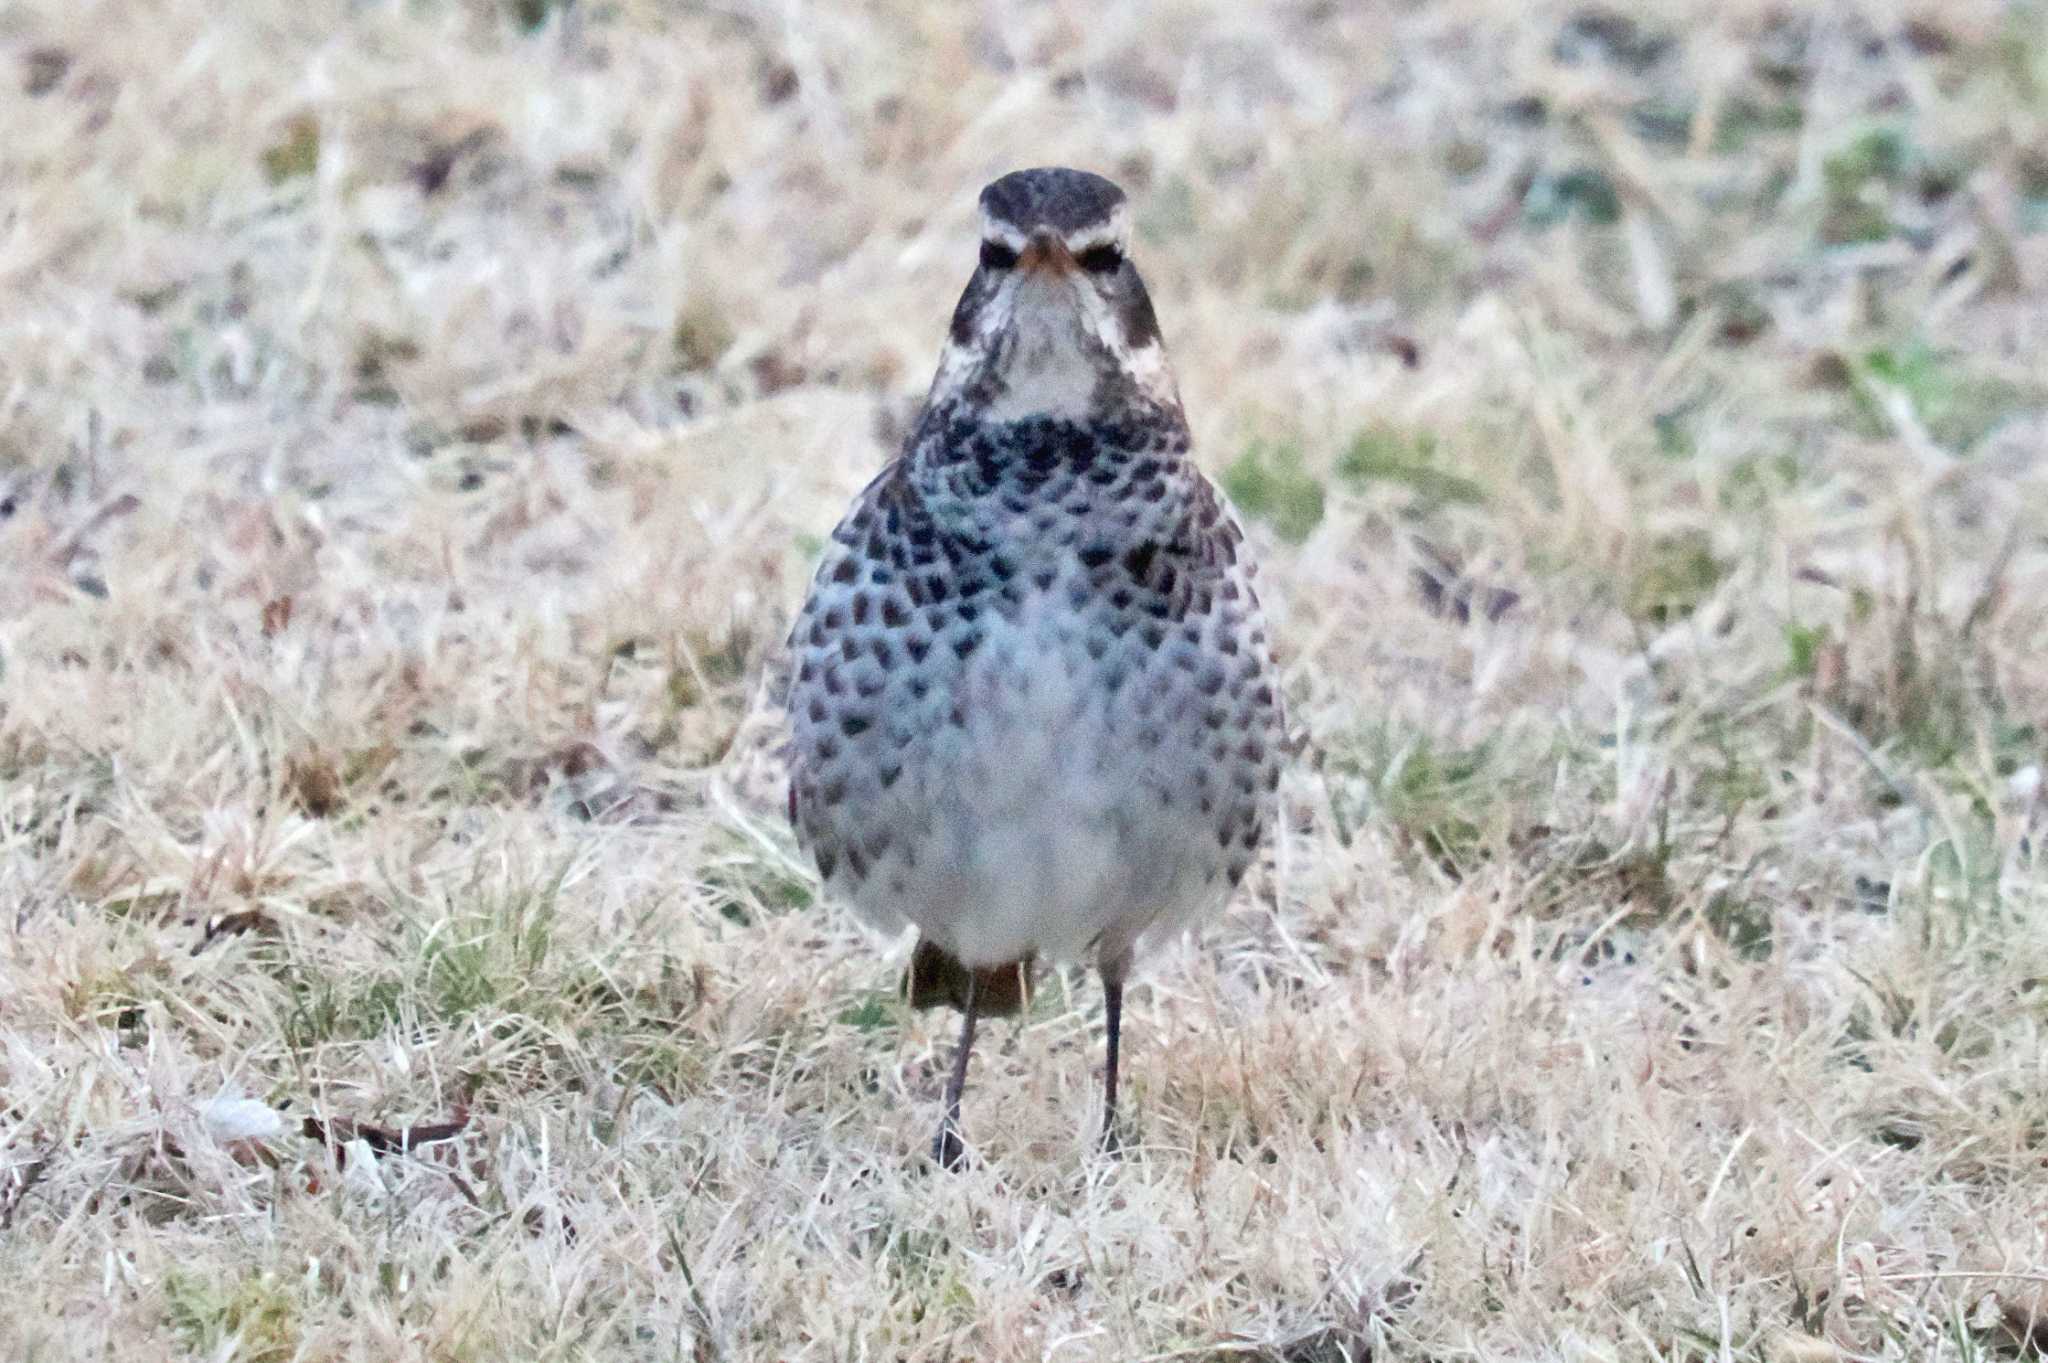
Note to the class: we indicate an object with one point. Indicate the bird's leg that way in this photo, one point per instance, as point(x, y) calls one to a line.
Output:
point(1113, 1015)
point(948, 1151)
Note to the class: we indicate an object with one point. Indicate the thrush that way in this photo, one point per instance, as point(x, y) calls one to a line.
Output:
point(1034, 708)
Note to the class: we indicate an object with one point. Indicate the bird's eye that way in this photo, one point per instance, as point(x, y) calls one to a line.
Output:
point(996, 256)
point(1103, 259)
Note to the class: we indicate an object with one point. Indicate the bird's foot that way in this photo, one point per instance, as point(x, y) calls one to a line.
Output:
point(949, 1152)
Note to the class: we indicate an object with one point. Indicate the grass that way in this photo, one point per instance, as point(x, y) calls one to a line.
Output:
point(417, 421)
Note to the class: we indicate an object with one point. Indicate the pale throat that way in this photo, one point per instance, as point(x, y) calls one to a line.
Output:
point(1056, 356)
point(1047, 369)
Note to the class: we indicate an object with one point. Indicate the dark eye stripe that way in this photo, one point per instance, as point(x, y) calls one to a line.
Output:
point(997, 256)
point(1103, 259)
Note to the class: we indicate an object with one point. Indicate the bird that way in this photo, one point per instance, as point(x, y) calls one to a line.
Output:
point(1034, 707)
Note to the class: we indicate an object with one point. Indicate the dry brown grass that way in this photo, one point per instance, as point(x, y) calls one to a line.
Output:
point(414, 430)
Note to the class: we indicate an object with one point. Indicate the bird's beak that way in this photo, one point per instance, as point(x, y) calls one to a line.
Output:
point(1046, 254)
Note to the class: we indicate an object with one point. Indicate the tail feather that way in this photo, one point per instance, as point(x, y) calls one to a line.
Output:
point(935, 978)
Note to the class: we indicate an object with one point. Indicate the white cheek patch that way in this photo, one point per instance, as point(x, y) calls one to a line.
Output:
point(1148, 368)
point(1145, 366)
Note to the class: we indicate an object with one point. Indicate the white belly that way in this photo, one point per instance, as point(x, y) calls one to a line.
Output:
point(1044, 821)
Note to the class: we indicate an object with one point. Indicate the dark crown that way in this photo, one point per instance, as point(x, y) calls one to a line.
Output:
point(1051, 196)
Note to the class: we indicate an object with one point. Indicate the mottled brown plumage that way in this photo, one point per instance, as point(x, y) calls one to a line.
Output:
point(1034, 706)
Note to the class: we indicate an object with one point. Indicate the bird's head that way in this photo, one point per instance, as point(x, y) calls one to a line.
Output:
point(1055, 322)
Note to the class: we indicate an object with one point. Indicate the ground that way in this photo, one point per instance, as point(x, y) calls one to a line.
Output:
point(417, 419)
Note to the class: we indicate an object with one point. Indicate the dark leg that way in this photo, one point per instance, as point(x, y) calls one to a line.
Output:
point(947, 1149)
point(1113, 1014)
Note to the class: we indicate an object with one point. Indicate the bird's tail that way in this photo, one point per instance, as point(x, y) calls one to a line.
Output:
point(935, 978)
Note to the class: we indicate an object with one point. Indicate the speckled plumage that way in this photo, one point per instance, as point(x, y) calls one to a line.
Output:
point(1034, 706)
